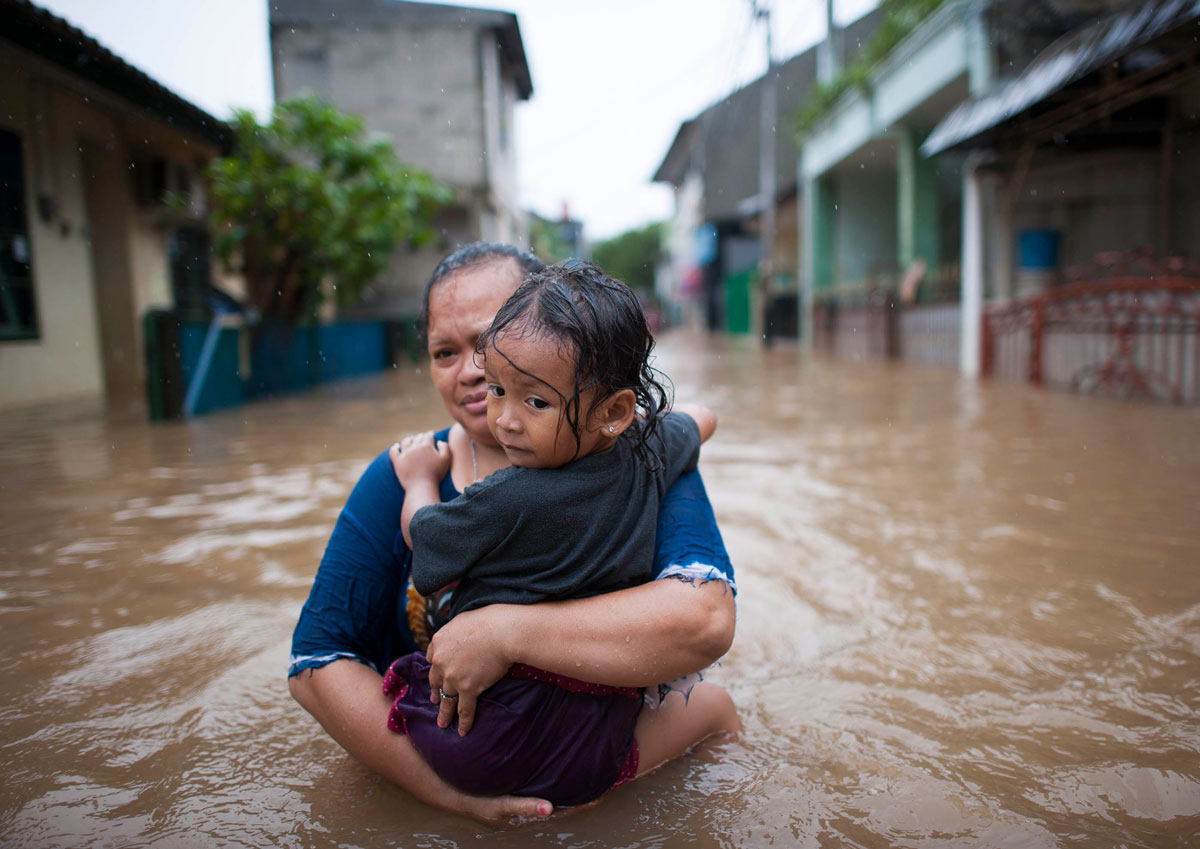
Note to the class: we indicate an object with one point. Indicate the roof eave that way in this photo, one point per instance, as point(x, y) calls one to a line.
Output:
point(70, 49)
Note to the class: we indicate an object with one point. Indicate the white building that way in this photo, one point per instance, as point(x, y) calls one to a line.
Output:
point(89, 146)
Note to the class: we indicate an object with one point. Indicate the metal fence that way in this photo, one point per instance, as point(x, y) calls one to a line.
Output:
point(1127, 337)
point(876, 325)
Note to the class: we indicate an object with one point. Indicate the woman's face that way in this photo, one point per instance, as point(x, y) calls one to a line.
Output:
point(461, 306)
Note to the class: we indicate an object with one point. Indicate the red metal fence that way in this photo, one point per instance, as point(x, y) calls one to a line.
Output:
point(1125, 337)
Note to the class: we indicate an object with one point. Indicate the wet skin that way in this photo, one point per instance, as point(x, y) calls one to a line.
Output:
point(530, 380)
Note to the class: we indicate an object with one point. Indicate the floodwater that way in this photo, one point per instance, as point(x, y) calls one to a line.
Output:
point(969, 615)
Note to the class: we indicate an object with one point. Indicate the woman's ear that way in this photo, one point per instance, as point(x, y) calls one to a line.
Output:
point(615, 413)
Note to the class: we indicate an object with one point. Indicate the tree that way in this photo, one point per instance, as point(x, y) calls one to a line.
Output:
point(308, 198)
point(551, 241)
point(631, 256)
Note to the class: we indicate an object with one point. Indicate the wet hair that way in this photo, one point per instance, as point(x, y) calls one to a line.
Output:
point(470, 256)
point(600, 322)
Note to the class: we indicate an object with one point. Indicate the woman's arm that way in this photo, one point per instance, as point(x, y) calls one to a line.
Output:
point(351, 613)
point(640, 636)
point(347, 699)
point(706, 419)
point(637, 637)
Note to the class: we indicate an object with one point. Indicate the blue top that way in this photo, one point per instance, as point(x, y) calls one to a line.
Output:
point(357, 608)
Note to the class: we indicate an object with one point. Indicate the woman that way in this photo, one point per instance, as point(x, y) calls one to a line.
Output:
point(355, 621)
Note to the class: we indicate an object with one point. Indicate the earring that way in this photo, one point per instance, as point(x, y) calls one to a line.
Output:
point(612, 429)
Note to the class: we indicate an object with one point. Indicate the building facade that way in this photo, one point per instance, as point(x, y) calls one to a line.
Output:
point(91, 150)
point(716, 167)
point(1081, 260)
point(998, 152)
point(442, 82)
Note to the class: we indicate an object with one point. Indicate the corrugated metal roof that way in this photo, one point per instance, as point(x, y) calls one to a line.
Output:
point(50, 37)
point(1066, 60)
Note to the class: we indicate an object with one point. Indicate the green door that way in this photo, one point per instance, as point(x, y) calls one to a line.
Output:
point(737, 300)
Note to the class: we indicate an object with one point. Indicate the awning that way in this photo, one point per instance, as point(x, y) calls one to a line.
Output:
point(1074, 55)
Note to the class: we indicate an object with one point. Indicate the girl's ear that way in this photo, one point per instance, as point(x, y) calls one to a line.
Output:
point(615, 413)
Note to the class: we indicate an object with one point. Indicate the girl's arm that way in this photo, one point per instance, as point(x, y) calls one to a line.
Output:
point(640, 636)
point(419, 463)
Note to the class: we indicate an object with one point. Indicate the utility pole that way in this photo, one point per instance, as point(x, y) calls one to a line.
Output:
point(829, 51)
point(766, 182)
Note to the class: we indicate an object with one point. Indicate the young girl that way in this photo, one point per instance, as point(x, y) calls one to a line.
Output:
point(566, 360)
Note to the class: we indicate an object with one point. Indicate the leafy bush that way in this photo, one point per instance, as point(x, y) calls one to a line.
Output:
point(900, 18)
point(308, 198)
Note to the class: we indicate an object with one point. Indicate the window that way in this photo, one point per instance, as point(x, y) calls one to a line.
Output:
point(18, 312)
point(191, 273)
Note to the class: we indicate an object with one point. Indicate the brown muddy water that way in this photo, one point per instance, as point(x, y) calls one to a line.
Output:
point(969, 615)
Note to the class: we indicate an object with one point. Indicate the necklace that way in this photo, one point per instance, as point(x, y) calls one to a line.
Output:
point(474, 461)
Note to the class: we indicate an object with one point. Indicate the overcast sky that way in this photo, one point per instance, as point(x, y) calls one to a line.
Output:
point(612, 79)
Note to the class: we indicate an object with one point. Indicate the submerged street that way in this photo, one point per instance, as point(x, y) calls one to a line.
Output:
point(968, 614)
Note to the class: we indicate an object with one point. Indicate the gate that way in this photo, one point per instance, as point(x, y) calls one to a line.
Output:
point(1128, 337)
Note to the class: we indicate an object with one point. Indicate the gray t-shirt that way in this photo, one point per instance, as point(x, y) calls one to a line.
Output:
point(525, 535)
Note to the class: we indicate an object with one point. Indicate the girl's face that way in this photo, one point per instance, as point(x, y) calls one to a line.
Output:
point(527, 414)
point(461, 307)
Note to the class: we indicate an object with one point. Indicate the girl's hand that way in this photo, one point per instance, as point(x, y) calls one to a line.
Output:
point(466, 656)
point(418, 458)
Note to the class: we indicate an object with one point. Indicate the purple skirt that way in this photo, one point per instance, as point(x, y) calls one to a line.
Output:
point(535, 734)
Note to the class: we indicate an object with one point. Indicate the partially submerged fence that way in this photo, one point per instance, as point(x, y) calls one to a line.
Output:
point(875, 326)
point(1125, 337)
point(195, 367)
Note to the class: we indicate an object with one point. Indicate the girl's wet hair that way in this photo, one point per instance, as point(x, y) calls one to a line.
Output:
point(470, 256)
point(601, 322)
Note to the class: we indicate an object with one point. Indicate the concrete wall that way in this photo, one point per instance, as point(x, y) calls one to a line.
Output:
point(65, 360)
point(865, 225)
point(422, 87)
point(79, 311)
point(1185, 201)
point(1100, 202)
point(442, 96)
point(1184, 237)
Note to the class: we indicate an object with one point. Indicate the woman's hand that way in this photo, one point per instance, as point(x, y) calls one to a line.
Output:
point(466, 656)
point(637, 637)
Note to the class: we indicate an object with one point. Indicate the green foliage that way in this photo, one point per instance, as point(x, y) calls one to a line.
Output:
point(631, 256)
point(308, 198)
point(899, 19)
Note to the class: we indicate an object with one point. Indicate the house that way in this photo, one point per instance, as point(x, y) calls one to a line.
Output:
point(998, 150)
point(442, 82)
point(881, 220)
point(91, 149)
point(714, 167)
point(1081, 261)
